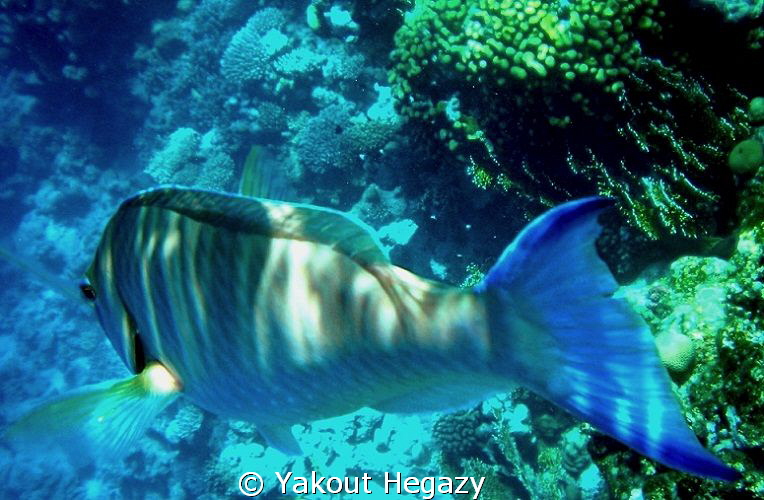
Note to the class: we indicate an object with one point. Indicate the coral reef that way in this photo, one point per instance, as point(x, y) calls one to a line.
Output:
point(462, 435)
point(252, 49)
point(340, 138)
point(523, 446)
point(309, 94)
point(556, 100)
point(706, 315)
point(341, 446)
point(75, 63)
point(192, 159)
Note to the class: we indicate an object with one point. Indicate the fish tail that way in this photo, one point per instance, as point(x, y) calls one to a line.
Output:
point(559, 331)
point(100, 421)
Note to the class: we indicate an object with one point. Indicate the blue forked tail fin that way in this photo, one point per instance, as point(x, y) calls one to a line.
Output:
point(559, 331)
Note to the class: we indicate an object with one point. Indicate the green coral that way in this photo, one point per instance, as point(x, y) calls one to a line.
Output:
point(526, 40)
point(537, 96)
point(756, 110)
point(746, 156)
point(474, 276)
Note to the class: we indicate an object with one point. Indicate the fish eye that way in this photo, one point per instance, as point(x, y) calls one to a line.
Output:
point(88, 291)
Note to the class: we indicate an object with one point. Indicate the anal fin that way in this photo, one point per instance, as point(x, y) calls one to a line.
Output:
point(450, 397)
point(281, 438)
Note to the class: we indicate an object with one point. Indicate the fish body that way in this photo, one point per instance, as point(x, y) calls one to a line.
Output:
point(264, 319)
point(280, 313)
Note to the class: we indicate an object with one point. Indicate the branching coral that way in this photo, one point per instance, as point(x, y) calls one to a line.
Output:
point(336, 138)
point(192, 159)
point(253, 47)
point(178, 152)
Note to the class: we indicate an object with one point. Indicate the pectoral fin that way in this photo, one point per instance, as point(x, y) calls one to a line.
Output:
point(281, 438)
point(100, 421)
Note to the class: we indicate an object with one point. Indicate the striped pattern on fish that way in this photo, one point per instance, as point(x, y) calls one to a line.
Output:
point(280, 313)
point(260, 324)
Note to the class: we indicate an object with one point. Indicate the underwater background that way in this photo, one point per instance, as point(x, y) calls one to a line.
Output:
point(444, 124)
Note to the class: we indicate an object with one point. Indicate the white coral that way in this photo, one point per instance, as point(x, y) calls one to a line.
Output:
point(299, 62)
point(252, 48)
point(179, 151)
point(192, 159)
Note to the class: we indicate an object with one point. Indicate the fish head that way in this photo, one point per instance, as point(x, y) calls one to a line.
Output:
point(118, 323)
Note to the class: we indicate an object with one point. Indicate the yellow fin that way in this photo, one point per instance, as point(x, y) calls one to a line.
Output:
point(252, 183)
point(261, 177)
point(100, 421)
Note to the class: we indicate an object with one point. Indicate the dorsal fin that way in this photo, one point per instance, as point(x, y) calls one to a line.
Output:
point(345, 233)
point(261, 178)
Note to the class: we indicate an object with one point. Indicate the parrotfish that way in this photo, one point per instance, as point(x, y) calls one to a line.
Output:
point(281, 313)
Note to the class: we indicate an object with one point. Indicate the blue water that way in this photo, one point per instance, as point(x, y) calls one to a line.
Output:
point(102, 99)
